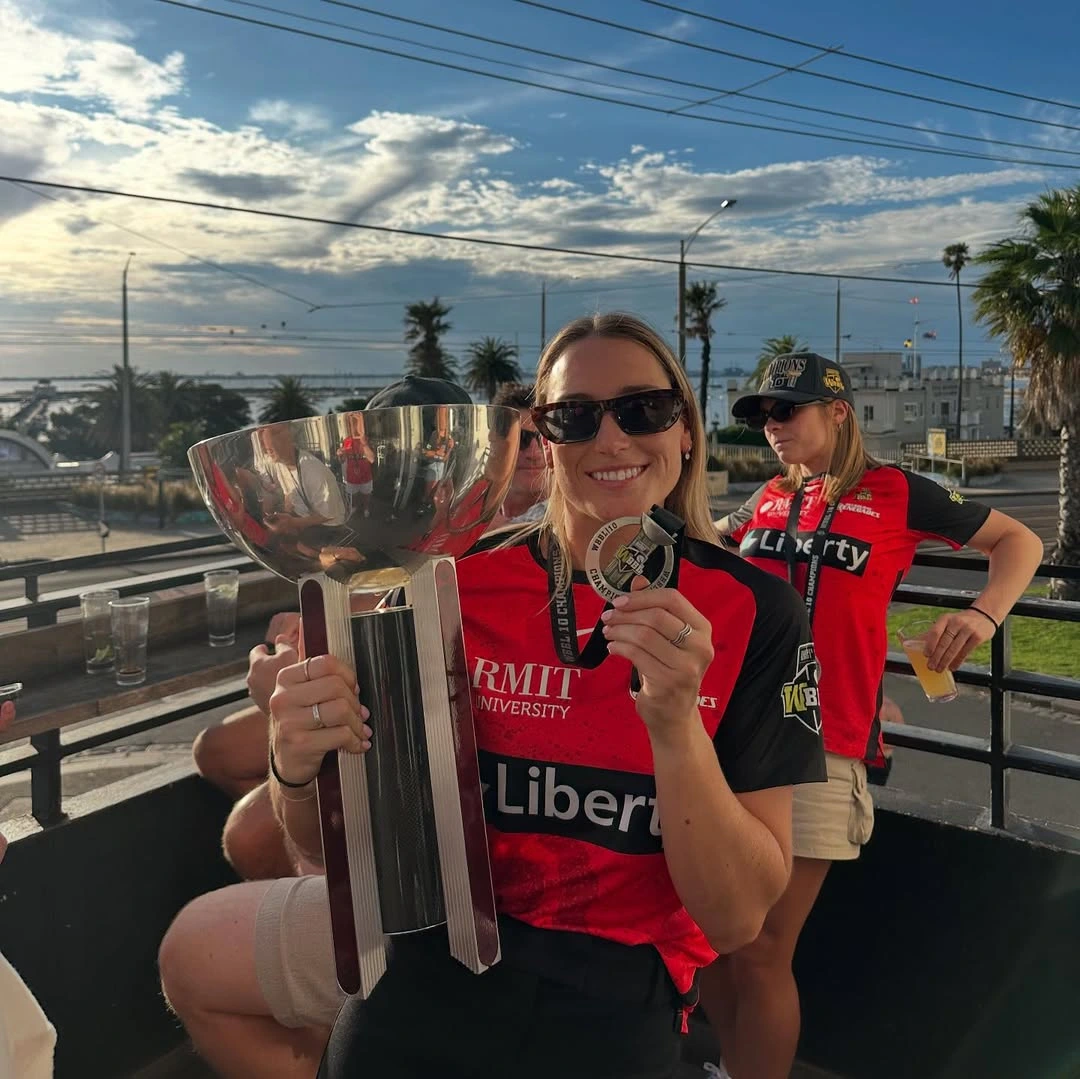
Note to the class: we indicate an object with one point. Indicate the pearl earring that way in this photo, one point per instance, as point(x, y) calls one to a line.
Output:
point(686, 456)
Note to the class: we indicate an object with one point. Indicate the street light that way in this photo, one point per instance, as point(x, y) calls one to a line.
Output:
point(125, 381)
point(684, 246)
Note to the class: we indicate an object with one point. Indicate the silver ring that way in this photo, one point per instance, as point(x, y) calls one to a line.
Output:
point(307, 663)
point(681, 636)
point(315, 715)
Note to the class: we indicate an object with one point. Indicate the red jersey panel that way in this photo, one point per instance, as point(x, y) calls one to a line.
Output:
point(867, 553)
point(570, 798)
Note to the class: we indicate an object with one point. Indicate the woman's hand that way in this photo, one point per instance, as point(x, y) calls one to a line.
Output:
point(642, 628)
point(314, 711)
point(954, 636)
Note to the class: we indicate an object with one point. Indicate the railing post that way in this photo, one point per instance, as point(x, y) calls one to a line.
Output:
point(1000, 721)
point(45, 779)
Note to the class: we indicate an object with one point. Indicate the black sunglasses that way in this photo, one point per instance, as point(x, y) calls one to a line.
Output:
point(528, 438)
point(646, 412)
point(781, 411)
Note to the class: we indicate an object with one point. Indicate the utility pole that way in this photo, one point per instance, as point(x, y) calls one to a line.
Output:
point(543, 314)
point(125, 381)
point(1012, 400)
point(838, 322)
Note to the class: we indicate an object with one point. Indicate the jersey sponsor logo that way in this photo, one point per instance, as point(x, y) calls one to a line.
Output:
point(839, 552)
point(522, 689)
point(858, 507)
point(801, 693)
point(864, 494)
point(702, 701)
point(833, 380)
point(783, 373)
point(605, 807)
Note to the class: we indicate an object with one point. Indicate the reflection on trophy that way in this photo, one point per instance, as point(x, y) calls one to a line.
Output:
point(370, 502)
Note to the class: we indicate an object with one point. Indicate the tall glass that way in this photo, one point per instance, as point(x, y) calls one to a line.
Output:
point(939, 686)
point(97, 629)
point(130, 627)
point(222, 588)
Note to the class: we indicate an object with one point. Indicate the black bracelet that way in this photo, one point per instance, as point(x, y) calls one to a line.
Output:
point(979, 610)
point(284, 782)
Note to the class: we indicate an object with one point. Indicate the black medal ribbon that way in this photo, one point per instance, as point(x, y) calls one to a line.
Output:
point(561, 600)
point(817, 549)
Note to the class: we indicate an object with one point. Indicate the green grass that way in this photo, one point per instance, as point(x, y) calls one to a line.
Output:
point(1038, 644)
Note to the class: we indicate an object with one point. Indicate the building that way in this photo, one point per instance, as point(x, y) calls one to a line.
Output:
point(894, 406)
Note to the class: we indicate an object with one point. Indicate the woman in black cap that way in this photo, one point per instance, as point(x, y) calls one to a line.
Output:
point(843, 529)
point(603, 924)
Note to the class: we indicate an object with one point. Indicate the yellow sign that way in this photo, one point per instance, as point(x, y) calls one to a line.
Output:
point(937, 441)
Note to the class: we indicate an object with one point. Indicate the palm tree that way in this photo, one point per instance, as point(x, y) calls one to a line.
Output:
point(352, 404)
point(425, 323)
point(702, 303)
point(771, 348)
point(954, 258)
point(174, 399)
point(290, 399)
point(492, 361)
point(106, 409)
point(1030, 296)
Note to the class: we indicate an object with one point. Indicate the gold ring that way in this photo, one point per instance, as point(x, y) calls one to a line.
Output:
point(681, 636)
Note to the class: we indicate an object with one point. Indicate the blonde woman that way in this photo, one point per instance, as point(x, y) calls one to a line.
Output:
point(843, 529)
point(603, 924)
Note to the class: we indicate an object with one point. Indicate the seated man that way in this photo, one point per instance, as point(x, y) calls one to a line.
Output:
point(233, 756)
point(27, 1037)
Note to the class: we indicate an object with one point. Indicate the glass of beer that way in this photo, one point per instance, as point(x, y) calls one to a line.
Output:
point(939, 686)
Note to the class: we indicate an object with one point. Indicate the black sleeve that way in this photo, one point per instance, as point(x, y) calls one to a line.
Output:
point(935, 512)
point(770, 733)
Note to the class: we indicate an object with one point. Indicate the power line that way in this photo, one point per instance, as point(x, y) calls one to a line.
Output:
point(927, 150)
point(171, 247)
point(715, 90)
point(772, 63)
point(483, 241)
point(956, 81)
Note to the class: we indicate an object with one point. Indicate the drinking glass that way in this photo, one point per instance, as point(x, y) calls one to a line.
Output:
point(222, 588)
point(97, 629)
point(939, 686)
point(130, 627)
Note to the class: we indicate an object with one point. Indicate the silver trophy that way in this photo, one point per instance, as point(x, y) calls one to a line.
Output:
point(380, 502)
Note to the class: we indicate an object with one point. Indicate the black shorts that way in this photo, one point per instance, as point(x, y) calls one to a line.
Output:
point(562, 1005)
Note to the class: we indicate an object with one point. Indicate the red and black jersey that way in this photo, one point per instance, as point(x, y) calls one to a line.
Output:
point(570, 795)
point(867, 551)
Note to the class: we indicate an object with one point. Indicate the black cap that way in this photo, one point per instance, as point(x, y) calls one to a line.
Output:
point(800, 377)
point(416, 390)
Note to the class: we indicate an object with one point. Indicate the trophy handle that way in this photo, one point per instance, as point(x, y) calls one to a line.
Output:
point(348, 853)
point(455, 772)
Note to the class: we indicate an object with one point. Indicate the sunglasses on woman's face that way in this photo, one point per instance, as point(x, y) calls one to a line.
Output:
point(781, 412)
point(646, 412)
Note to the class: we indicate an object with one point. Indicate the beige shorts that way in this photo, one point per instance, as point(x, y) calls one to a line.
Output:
point(833, 820)
point(294, 953)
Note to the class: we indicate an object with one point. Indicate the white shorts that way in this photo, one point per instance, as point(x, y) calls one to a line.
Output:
point(294, 953)
point(833, 820)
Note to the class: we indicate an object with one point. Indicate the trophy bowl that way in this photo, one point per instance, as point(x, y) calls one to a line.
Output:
point(364, 497)
point(369, 502)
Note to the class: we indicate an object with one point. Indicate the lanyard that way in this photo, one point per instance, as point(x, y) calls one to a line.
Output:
point(564, 621)
point(817, 548)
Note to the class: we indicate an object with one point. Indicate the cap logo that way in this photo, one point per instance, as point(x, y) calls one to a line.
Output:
point(783, 373)
point(833, 380)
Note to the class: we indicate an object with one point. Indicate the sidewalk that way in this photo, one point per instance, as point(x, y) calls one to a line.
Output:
point(29, 547)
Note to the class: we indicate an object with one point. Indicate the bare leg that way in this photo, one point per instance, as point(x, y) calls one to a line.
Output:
point(253, 840)
point(207, 963)
point(233, 755)
point(751, 997)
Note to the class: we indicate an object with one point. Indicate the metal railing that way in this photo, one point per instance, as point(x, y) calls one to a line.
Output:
point(40, 608)
point(998, 752)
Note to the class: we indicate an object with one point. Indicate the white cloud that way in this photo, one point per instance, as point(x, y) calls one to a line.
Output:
point(289, 115)
point(41, 60)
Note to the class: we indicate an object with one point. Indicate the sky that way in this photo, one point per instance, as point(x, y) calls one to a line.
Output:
point(155, 99)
